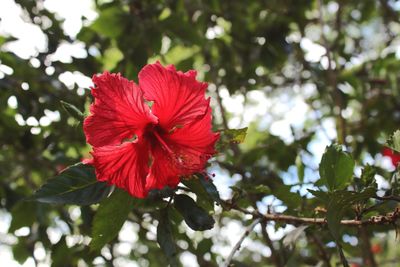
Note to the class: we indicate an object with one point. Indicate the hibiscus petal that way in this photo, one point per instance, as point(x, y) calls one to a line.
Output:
point(178, 97)
point(162, 172)
point(193, 145)
point(118, 111)
point(125, 166)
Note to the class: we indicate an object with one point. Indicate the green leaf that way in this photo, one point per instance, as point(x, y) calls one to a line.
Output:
point(60, 252)
point(194, 216)
point(203, 199)
point(291, 199)
point(336, 167)
point(161, 193)
point(165, 238)
point(111, 22)
point(75, 185)
point(337, 204)
point(368, 176)
point(23, 214)
point(210, 188)
point(72, 110)
point(300, 168)
point(261, 188)
point(205, 191)
point(231, 136)
point(111, 57)
point(20, 250)
point(394, 141)
point(109, 218)
point(323, 196)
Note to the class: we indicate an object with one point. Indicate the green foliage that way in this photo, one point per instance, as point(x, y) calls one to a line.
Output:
point(231, 136)
point(206, 192)
point(337, 204)
point(194, 216)
point(165, 237)
point(210, 188)
point(300, 168)
point(109, 218)
point(72, 110)
point(74, 185)
point(394, 141)
point(23, 214)
point(336, 167)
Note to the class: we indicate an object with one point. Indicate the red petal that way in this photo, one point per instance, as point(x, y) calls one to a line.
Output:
point(193, 145)
point(178, 97)
point(118, 111)
point(162, 172)
point(125, 166)
point(393, 155)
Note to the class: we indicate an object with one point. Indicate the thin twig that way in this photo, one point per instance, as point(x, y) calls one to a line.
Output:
point(322, 251)
point(274, 254)
point(394, 198)
point(249, 229)
point(368, 257)
point(332, 79)
point(386, 219)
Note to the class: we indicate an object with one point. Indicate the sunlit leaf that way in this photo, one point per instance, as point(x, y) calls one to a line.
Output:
point(231, 136)
point(109, 218)
point(394, 141)
point(336, 167)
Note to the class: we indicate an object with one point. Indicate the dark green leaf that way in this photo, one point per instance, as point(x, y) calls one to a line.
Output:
point(161, 193)
point(21, 251)
point(205, 191)
point(165, 238)
point(194, 216)
point(109, 218)
point(204, 246)
point(75, 185)
point(23, 214)
point(323, 196)
point(291, 199)
point(210, 188)
point(337, 204)
point(60, 252)
point(394, 141)
point(203, 199)
point(336, 167)
point(73, 111)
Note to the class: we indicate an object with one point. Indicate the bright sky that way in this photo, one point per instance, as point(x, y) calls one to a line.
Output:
point(290, 111)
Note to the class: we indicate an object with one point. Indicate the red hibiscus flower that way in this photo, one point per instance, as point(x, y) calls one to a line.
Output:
point(139, 148)
point(394, 156)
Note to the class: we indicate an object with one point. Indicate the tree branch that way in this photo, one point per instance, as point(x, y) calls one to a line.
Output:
point(274, 255)
point(323, 253)
point(388, 218)
point(249, 229)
